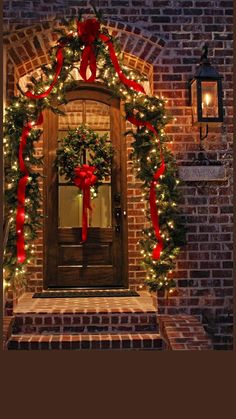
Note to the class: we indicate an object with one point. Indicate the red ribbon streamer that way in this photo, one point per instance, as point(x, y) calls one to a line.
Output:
point(88, 59)
point(156, 253)
point(152, 197)
point(59, 65)
point(20, 212)
point(88, 31)
point(84, 179)
point(130, 83)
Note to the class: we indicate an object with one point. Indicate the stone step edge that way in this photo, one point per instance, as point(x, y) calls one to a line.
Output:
point(84, 329)
point(88, 329)
point(95, 316)
point(49, 319)
point(87, 341)
point(85, 311)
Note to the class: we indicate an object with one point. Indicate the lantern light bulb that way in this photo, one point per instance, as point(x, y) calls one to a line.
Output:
point(207, 99)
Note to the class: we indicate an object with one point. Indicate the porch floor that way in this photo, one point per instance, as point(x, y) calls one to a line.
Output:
point(143, 304)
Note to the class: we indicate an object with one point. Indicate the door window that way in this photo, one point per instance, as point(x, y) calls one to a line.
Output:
point(97, 116)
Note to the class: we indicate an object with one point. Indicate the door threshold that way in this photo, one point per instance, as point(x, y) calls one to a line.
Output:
point(85, 288)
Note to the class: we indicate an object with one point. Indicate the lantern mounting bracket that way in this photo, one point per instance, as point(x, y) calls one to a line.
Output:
point(203, 137)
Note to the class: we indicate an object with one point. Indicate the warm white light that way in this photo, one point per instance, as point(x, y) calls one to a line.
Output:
point(5, 284)
point(207, 99)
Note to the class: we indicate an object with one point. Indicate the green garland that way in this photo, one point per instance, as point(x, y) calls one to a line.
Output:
point(72, 148)
point(146, 154)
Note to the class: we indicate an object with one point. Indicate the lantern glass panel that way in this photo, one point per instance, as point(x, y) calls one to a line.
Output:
point(194, 101)
point(209, 99)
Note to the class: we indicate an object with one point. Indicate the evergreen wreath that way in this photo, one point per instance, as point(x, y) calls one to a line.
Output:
point(71, 153)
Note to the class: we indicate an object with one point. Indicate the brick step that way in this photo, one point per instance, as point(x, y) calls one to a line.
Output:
point(7, 329)
point(135, 341)
point(72, 323)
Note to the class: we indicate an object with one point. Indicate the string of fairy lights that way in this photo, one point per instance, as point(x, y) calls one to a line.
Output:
point(145, 156)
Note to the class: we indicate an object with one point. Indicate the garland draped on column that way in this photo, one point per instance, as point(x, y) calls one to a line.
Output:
point(20, 213)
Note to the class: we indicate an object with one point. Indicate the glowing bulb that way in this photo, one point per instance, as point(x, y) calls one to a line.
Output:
point(5, 284)
point(207, 99)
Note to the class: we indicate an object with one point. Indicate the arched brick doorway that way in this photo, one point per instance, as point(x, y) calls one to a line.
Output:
point(27, 50)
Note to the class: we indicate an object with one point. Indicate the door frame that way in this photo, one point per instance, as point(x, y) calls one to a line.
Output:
point(81, 91)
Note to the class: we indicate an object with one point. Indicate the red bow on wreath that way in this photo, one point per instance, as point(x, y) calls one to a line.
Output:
point(84, 179)
point(88, 31)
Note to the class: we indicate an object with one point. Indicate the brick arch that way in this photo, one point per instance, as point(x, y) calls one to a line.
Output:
point(28, 48)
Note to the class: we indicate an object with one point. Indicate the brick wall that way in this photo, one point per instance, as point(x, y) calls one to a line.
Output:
point(163, 39)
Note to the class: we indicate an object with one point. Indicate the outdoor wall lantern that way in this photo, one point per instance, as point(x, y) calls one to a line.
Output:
point(206, 100)
point(206, 95)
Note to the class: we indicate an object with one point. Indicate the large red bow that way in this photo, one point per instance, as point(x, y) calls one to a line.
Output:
point(88, 31)
point(84, 179)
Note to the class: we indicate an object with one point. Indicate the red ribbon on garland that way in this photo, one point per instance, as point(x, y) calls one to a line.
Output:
point(152, 197)
point(59, 65)
point(20, 212)
point(88, 31)
point(84, 179)
point(130, 83)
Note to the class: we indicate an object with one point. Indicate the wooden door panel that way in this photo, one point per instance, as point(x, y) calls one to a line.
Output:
point(74, 235)
point(89, 254)
point(85, 276)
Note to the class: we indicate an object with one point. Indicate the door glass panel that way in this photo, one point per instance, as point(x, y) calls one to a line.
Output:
point(97, 116)
point(70, 207)
point(70, 204)
point(73, 115)
point(101, 133)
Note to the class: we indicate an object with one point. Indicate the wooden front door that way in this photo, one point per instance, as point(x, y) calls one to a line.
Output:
point(102, 260)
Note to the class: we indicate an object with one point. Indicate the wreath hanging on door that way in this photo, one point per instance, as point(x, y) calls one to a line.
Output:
point(84, 158)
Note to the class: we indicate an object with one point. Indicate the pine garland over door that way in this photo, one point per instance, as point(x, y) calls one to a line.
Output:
point(86, 45)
